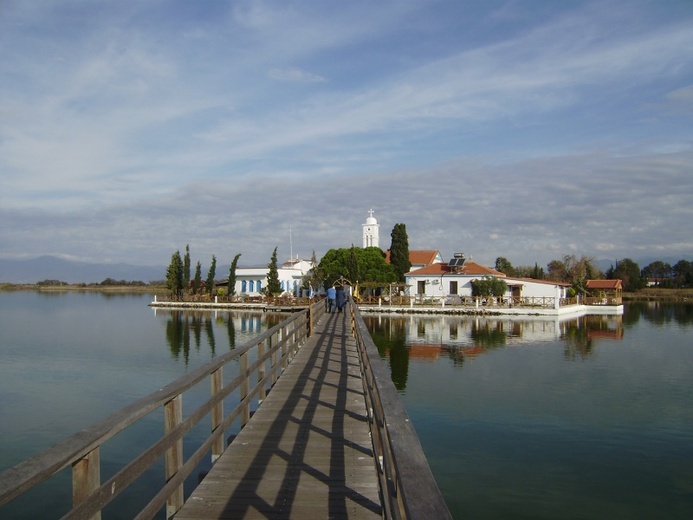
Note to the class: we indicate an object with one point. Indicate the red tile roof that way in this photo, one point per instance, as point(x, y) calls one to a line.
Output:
point(423, 257)
point(469, 268)
point(418, 257)
point(604, 284)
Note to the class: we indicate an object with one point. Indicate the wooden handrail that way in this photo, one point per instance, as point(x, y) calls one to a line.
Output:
point(406, 483)
point(275, 347)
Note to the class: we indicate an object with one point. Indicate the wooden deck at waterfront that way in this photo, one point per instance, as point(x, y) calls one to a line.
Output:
point(306, 452)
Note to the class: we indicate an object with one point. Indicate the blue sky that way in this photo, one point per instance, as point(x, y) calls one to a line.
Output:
point(525, 129)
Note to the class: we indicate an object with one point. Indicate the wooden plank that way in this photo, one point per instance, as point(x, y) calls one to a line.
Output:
point(306, 452)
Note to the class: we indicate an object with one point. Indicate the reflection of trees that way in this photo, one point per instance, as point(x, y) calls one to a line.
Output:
point(231, 330)
point(209, 329)
point(389, 336)
point(184, 327)
point(631, 314)
point(577, 341)
point(174, 333)
point(662, 313)
point(488, 336)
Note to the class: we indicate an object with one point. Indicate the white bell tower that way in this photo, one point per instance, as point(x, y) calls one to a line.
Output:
point(371, 231)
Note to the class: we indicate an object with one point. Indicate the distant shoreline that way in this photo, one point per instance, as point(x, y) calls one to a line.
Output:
point(135, 289)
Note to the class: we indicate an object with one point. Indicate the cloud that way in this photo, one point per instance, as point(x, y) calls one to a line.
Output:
point(294, 75)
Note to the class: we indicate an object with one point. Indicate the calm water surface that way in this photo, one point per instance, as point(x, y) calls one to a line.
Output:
point(69, 359)
point(582, 418)
point(585, 418)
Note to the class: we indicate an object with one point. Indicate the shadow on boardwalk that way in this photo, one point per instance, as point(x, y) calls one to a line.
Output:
point(306, 452)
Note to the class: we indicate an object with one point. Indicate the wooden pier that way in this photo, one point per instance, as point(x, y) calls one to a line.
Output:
point(306, 452)
point(329, 439)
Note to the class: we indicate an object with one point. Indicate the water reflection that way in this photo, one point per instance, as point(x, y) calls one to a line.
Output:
point(400, 339)
point(184, 328)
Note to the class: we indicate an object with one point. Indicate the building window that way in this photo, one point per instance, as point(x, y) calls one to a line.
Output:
point(421, 287)
point(244, 286)
point(453, 287)
point(251, 286)
point(259, 286)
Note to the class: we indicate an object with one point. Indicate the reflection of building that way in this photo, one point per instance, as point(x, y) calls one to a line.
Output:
point(427, 335)
point(604, 327)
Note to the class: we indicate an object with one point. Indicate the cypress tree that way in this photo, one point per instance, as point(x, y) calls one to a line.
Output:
point(197, 282)
point(174, 275)
point(232, 275)
point(399, 251)
point(186, 267)
point(274, 288)
point(210, 276)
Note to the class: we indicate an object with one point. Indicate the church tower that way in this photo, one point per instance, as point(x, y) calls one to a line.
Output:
point(371, 231)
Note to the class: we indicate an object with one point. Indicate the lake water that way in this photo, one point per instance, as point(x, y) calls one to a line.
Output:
point(588, 417)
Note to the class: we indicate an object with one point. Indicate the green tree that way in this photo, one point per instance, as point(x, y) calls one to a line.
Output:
point(537, 272)
point(197, 282)
point(352, 265)
point(399, 251)
point(232, 275)
point(629, 272)
point(575, 271)
point(174, 275)
point(683, 273)
point(209, 283)
point(274, 287)
point(489, 286)
point(186, 267)
point(504, 266)
point(556, 271)
point(372, 266)
point(659, 270)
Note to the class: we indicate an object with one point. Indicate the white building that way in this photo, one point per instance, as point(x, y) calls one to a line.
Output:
point(441, 280)
point(251, 280)
point(371, 232)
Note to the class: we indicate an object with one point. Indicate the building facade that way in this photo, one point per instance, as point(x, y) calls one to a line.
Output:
point(250, 281)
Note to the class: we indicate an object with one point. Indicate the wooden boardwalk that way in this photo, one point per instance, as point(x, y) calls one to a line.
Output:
point(306, 452)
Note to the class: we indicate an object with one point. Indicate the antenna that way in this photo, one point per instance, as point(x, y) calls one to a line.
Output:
point(291, 245)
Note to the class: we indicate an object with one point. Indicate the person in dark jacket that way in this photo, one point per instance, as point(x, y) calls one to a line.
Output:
point(341, 299)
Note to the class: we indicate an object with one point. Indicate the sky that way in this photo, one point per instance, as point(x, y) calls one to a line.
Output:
point(528, 129)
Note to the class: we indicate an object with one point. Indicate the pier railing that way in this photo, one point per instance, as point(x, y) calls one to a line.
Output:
point(271, 352)
point(408, 488)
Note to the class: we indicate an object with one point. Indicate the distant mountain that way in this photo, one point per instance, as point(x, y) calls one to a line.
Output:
point(52, 268)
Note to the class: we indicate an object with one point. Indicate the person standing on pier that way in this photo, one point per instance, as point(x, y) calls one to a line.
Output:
point(341, 299)
point(331, 299)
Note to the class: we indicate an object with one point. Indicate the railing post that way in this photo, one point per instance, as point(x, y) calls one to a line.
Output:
point(217, 382)
point(173, 416)
point(273, 357)
point(310, 319)
point(86, 478)
point(261, 371)
point(284, 339)
point(245, 388)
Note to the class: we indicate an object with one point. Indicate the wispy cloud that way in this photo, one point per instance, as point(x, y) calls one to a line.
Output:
point(292, 75)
